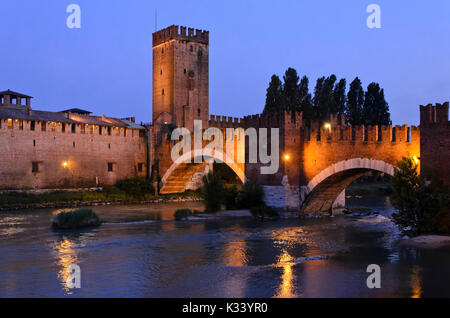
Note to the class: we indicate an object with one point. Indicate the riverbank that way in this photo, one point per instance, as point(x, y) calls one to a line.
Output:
point(12, 201)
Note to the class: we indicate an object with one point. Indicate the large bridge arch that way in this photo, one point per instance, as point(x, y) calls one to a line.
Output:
point(182, 171)
point(322, 192)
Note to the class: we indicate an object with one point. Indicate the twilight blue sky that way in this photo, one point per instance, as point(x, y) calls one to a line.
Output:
point(106, 65)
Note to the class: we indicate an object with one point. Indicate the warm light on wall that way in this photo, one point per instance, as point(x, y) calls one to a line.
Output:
point(65, 164)
point(416, 160)
point(327, 126)
point(287, 157)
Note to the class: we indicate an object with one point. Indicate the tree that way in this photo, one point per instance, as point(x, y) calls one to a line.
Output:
point(291, 91)
point(274, 96)
point(339, 98)
point(213, 191)
point(305, 99)
point(376, 109)
point(323, 100)
point(421, 204)
point(355, 102)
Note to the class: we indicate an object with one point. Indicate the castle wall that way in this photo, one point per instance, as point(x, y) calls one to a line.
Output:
point(87, 156)
point(435, 140)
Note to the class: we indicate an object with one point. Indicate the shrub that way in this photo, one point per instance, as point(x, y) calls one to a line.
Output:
point(263, 211)
point(422, 205)
point(230, 197)
point(251, 195)
point(183, 214)
point(76, 219)
point(213, 192)
point(135, 187)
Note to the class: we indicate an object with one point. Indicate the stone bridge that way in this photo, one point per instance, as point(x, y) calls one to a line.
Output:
point(316, 162)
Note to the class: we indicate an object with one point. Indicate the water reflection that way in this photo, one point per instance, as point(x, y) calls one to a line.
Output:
point(66, 254)
point(286, 288)
point(216, 258)
point(416, 282)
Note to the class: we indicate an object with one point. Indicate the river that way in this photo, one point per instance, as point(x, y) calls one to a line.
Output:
point(142, 252)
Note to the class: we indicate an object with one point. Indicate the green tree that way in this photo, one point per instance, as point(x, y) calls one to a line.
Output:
point(305, 99)
point(339, 98)
point(274, 96)
point(213, 191)
point(323, 100)
point(291, 90)
point(421, 204)
point(355, 102)
point(375, 109)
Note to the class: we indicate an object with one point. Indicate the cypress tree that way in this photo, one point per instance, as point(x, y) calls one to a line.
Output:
point(291, 90)
point(376, 109)
point(274, 96)
point(355, 102)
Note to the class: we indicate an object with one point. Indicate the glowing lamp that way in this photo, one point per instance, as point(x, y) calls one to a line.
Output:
point(327, 126)
point(416, 160)
point(65, 164)
point(287, 157)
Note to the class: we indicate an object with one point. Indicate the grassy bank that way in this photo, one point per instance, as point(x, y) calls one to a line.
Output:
point(12, 199)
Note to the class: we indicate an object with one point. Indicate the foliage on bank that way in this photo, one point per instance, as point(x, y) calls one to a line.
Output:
point(248, 196)
point(423, 205)
point(77, 219)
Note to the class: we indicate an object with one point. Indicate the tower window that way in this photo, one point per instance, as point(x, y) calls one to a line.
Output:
point(109, 131)
point(10, 123)
point(110, 167)
point(43, 126)
point(160, 72)
point(35, 167)
point(163, 91)
point(191, 49)
point(34, 143)
point(21, 124)
point(140, 167)
point(184, 71)
point(32, 125)
point(100, 130)
point(198, 112)
point(73, 128)
point(63, 127)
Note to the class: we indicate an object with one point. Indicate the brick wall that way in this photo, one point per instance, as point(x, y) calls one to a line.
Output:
point(87, 156)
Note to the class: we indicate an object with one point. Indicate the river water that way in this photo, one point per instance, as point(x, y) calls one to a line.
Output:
point(142, 252)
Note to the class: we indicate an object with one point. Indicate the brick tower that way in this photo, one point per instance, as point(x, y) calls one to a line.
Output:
point(180, 76)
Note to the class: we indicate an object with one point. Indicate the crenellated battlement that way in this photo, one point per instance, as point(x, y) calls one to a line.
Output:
point(362, 134)
point(180, 33)
point(224, 121)
point(437, 114)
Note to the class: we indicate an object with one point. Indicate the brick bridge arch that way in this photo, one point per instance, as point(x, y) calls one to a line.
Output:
point(327, 189)
point(184, 171)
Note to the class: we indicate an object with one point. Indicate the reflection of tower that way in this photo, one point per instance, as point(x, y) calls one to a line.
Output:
point(180, 76)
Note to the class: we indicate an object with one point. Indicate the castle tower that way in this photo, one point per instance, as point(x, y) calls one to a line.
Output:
point(180, 76)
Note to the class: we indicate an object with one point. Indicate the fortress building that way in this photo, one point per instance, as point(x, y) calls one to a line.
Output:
point(71, 148)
